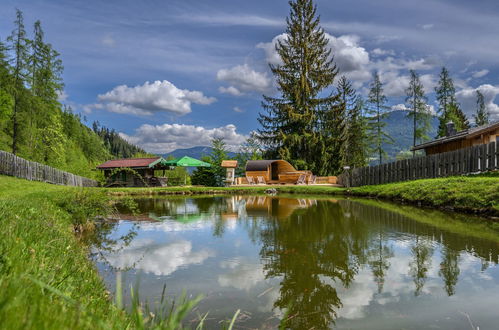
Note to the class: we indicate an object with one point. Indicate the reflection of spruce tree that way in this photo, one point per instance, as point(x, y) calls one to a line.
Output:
point(449, 269)
point(311, 256)
point(421, 252)
point(378, 260)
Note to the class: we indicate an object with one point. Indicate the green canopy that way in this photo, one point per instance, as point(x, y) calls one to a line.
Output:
point(187, 161)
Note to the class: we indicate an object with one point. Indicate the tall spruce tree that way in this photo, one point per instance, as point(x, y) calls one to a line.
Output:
point(376, 110)
point(353, 148)
point(18, 46)
point(448, 107)
point(445, 93)
point(292, 124)
point(419, 112)
point(482, 115)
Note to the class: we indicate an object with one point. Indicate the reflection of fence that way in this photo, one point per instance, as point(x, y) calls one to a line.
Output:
point(19, 167)
point(476, 159)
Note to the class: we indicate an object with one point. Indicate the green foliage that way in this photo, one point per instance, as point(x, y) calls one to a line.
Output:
point(204, 176)
point(218, 154)
point(353, 150)
point(33, 124)
point(482, 115)
point(250, 150)
point(376, 110)
point(46, 278)
point(419, 113)
point(480, 194)
point(115, 144)
point(448, 109)
point(301, 123)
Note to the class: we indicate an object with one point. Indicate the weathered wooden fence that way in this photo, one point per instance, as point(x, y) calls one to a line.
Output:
point(19, 167)
point(476, 159)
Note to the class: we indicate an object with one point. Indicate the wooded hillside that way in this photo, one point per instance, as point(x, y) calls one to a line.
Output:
point(33, 123)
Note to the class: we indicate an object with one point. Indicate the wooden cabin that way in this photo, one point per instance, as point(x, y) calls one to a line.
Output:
point(462, 139)
point(279, 171)
point(273, 171)
point(134, 172)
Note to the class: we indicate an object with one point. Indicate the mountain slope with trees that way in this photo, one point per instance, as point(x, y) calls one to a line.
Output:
point(33, 123)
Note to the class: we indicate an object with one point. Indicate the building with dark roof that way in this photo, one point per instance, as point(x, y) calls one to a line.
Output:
point(463, 139)
point(134, 172)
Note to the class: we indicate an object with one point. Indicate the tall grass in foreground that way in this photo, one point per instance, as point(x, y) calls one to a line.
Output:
point(46, 278)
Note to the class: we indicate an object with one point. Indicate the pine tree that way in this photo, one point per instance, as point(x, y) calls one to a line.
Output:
point(419, 112)
point(376, 110)
point(291, 124)
point(19, 47)
point(353, 148)
point(218, 154)
point(445, 93)
point(457, 116)
point(482, 115)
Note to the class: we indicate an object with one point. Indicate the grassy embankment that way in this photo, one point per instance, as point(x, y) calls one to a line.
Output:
point(478, 194)
point(46, 278)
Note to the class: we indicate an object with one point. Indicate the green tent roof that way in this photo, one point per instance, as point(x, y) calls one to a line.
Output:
point(187, 162)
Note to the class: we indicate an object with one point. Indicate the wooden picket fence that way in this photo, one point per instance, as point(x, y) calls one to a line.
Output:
point(476, 159)
point(19, 167)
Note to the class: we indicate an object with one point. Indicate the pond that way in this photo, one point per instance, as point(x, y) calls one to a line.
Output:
point(309, 262)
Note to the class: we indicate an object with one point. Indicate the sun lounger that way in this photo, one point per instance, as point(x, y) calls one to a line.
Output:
point(261, 180)
point(312, 179)
point(301, 179)
point(251, 180)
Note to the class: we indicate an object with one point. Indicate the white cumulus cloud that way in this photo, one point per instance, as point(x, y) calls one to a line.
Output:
point(243, 79)
point(150, 98)
point(351, 59)
point(168, 137)
point(467, 98)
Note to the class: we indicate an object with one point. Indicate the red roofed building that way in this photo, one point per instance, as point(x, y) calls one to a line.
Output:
point(134, 172)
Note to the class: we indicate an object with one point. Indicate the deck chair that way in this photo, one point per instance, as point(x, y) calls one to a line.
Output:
point(250, 180)
point(312, 179)
point(301, 179)
point(261, 180)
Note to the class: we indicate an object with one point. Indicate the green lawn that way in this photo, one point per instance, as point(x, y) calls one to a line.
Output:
point(467, 193)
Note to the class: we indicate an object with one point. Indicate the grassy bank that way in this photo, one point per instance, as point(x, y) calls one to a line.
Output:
point(467, 194)
point(47, 280)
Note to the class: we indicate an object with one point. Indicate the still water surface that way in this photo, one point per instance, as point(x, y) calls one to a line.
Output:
point(311, 263)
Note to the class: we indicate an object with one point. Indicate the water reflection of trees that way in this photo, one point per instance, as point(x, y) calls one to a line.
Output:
point(312, 252)
point(318, 246)
point(316, 249)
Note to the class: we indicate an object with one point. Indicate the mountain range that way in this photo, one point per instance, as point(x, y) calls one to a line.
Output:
point(398, 126)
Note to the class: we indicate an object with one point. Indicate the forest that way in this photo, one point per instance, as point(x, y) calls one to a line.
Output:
point(33, 123)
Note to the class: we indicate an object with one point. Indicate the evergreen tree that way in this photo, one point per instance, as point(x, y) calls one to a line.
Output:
point(250, 150)
point(417, 103)
point(204, 176)
point(445, 93)
point(19, 48)
point(448, 109)
point(376, 110)
point(482, 115)
point(353, 150)
point(218, 154)
point(291, 124)
point(457, 116)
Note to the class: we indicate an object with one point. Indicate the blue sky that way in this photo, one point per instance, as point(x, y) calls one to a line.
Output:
point(174, 74)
